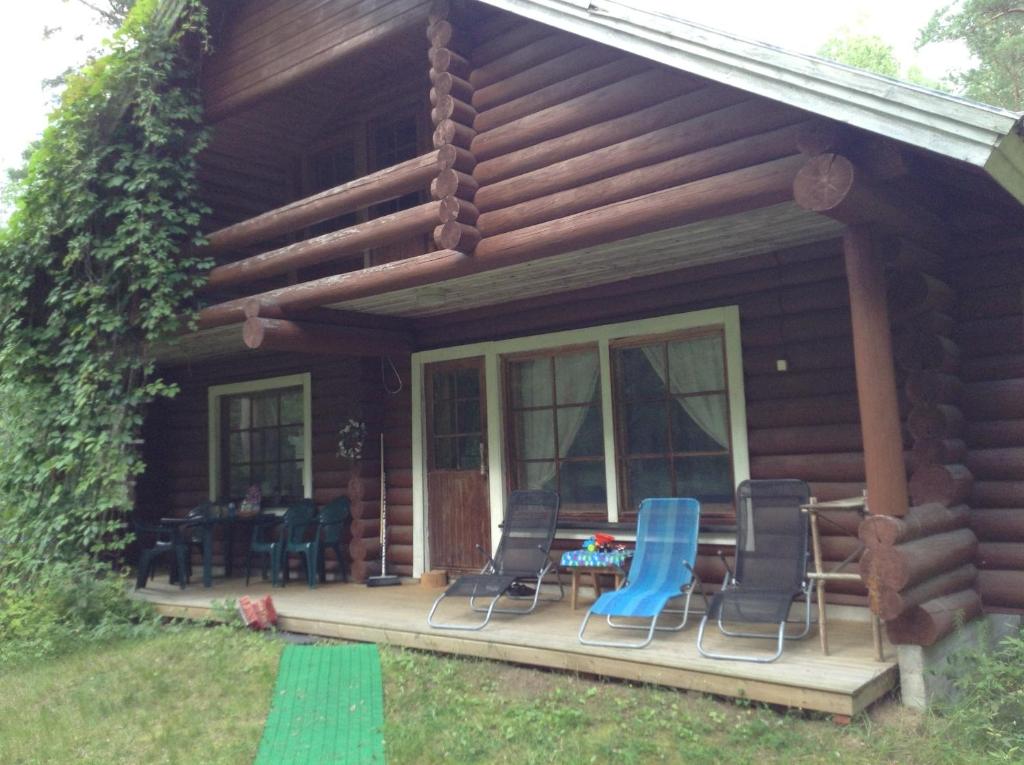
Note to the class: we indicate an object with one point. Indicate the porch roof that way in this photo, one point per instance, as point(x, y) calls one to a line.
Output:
point(980, 135)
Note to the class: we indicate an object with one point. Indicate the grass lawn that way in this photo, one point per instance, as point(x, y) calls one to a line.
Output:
point(195, 695)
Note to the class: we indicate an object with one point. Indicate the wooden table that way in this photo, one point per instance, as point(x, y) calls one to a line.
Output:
point(578, 568)
point(820, 576)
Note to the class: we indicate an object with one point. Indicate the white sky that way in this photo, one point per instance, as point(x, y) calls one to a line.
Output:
point(801, 25)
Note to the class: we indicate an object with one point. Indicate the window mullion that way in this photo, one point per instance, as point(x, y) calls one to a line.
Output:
point(611, 454)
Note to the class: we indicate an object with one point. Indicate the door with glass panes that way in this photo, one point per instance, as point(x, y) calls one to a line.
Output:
point(458, 510)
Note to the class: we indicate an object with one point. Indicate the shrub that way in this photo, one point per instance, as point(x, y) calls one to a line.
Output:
point(65, 605)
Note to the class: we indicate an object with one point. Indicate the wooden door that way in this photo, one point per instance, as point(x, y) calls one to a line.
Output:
point(458, 510)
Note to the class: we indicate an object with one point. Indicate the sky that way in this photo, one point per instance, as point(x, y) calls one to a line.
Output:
point(802, 25)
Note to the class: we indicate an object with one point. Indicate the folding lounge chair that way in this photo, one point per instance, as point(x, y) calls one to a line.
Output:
point(771, 566)
point(522, 556)
point(662, 570)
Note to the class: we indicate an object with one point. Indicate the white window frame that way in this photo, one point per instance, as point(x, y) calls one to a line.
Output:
point(214, 396)
point(726, 317)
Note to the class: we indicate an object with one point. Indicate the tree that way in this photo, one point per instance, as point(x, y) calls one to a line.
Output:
point(868, 52)
point(112, 12)
point(993, 31)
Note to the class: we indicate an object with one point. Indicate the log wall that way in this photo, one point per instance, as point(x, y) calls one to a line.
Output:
point(990, 333)
point(802, 423)
point(176, 444)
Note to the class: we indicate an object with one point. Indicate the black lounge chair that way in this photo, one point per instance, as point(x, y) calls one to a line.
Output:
point(771, 566)
point(519, 564)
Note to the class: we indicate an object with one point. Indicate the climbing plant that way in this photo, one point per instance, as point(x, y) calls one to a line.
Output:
point(98, 262)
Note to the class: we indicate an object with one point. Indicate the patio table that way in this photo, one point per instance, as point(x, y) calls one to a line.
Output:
point(586, 562)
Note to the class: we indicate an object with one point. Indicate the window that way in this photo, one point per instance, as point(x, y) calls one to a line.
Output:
point(555, 426)
point(671, 408)
point(392, 141)
point(260, 435)
point(456, 419)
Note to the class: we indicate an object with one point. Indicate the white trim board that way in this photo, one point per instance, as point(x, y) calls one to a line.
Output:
point(727, 317)
point(215, 393)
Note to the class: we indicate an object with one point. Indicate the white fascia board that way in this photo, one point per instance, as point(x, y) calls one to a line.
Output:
point(947, 125)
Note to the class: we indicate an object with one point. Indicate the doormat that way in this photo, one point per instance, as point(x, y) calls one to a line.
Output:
point(328, 707)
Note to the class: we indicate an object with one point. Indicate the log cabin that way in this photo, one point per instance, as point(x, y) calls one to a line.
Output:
point(574, 245)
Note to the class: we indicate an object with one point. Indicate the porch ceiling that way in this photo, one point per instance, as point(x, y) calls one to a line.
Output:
point(728, 238)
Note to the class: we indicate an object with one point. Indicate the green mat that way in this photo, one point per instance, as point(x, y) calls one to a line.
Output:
point(328, 707)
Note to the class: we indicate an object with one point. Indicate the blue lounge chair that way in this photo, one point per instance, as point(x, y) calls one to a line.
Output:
point(662, 570)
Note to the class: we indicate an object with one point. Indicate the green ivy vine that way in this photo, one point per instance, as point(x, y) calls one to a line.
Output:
point(98, 261)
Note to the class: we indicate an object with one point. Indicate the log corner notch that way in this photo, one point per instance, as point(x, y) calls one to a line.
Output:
point(451, 96)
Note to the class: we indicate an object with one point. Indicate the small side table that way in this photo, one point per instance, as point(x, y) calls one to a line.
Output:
point(820, 576)
point(585, 562)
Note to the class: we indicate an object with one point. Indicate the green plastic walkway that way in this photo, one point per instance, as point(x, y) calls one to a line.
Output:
point(328, 707)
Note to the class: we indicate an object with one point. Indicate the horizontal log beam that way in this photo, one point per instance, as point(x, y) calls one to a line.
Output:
point(927, 421)
point(300, 337)
point(945, 484)
point(832, 185)
point(997, 464)
point(998, 524)
point(390, 183)
point(1000, 556)
point(905, 565)
point(587, 139)
point(931, 621)
point(333, 246)
point(725, 126)
point(926, 386)
point(920, 521)
point(889, 604)
point(1001, 589)
point(996, 400)
point(812, 439)
point(576, 197)
point(840, 467)
point(937, 451)
point(402, 274)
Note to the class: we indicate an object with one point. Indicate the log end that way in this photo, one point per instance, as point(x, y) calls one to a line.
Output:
point(824, 182)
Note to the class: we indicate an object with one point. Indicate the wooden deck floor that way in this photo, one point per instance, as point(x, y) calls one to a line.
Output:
point(842, 683)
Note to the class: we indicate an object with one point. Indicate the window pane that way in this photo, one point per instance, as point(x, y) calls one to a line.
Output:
point(264, 410)
point(444, 453)
point(537, 475)
point(577, 377)
point(700, 423)
point(257, 439)
point(291, 407)
point(444, 417)
point(292, 443)
point(706, 478)
point(467, 383)
point(580, 433)
point(642, 371)
point(696, 364)
point(238, 480)
point(535, 434)
point(648, 478)
point(530, 382)
point(238, 448)
point(468, 416)
point(291, 480)
point(444, 386)
point(469, 453)
point(266, 477)
point(238, 412)
point(582, 483)
point(646, 429)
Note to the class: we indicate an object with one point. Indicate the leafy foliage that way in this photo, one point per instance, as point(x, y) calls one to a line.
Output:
point(993, 31)
point(97, 265)
point(868, 52)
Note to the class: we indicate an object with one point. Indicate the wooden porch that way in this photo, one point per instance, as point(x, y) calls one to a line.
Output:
point(843, 683)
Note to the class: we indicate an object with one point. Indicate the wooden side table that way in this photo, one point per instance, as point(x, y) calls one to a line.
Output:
point(820, 576)
point(580, 562)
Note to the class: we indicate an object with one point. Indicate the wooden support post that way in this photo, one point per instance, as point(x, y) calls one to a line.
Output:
point(876, 376)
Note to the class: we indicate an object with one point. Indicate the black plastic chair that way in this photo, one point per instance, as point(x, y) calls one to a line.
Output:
point(771, 566)
point(330, 525)
point(176, 539)
point(523, 556)
point(272, 533)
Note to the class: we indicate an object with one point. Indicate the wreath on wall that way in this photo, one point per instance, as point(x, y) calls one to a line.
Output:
point(351, 438)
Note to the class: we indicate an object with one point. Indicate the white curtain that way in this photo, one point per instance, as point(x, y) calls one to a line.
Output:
point(695, 365)
point(578, 378)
